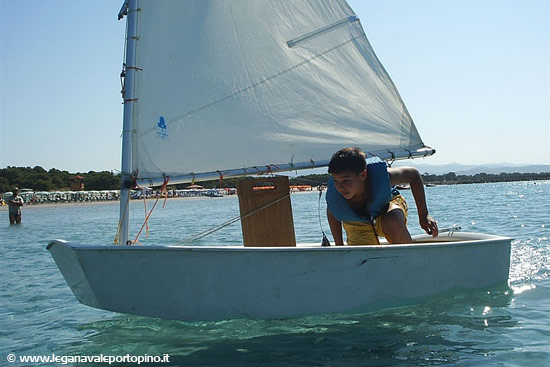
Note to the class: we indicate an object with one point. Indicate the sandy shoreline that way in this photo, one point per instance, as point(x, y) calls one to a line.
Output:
point(111, 202)
point(116, 202)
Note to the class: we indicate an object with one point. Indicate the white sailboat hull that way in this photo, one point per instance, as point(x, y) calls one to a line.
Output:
point(217, 283)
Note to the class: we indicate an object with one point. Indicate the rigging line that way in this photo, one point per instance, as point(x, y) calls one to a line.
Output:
point(325, 241)
point(144, 194)
point(225, 224)
point(146, 223)
point(252, 86)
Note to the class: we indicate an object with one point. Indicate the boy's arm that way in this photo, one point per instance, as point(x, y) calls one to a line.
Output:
point(410, 175)
point(336, 229)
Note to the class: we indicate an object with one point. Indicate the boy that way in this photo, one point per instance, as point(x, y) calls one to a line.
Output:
point(361, 198)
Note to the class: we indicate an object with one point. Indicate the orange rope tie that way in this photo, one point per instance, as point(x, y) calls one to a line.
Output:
point(221, 179)
point(269, 171)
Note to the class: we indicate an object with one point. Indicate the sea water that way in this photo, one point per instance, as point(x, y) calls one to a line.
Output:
point(500, 326)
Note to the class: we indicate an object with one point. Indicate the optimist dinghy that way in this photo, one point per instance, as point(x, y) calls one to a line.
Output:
point(228, 88)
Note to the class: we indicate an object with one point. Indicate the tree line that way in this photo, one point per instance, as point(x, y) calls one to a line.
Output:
point(38, 179)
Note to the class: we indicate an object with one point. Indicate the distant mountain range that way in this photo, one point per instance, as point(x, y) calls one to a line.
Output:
point(457, 168)
point(469, 170)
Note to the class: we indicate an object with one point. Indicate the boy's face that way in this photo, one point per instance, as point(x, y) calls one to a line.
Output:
point(350, 184)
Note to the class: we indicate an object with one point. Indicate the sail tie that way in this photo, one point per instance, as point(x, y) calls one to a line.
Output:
point(392, 158)
point(125, 68)
point(269, 171)
point(291, 164)
point(221, 178)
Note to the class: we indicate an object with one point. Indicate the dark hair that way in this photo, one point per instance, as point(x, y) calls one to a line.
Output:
point(348, 159)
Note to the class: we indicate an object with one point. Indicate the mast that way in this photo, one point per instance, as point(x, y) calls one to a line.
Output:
point(130, 9)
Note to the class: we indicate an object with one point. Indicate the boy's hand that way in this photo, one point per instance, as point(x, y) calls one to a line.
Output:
point(429, 225)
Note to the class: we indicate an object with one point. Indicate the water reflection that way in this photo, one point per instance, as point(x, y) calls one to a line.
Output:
point(442, 330)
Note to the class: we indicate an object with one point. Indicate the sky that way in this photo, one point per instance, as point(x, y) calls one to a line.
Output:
point(474, 75)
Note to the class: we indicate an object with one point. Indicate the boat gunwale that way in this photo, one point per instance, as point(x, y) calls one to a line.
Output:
point(301, 247)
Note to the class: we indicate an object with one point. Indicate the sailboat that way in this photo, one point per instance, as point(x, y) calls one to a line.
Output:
point(226, 88)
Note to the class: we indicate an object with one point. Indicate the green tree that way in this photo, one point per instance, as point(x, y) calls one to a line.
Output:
point(101, 181)
point(4, 185)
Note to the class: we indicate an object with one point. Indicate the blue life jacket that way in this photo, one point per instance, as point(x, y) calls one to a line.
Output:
point(381, 193)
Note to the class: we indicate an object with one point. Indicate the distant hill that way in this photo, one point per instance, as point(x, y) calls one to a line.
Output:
point(469, 170)
point(457, 168)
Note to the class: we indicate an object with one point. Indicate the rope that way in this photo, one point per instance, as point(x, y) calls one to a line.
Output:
point(144, 194)
point(392, 158)
point(269, 170)
point(225, 224)
point(325, 241)
point(145, 224)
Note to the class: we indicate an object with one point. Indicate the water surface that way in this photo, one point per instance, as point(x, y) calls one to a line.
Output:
point(502, 326)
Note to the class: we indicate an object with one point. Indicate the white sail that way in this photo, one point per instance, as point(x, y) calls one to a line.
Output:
point(225, 84)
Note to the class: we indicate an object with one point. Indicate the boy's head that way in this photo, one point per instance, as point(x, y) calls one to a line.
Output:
point(348, 159)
